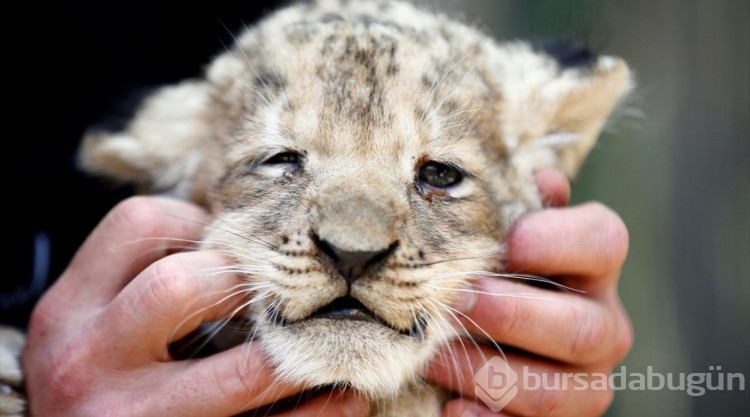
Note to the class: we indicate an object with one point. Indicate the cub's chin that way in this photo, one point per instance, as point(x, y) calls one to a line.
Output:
point(345, 344)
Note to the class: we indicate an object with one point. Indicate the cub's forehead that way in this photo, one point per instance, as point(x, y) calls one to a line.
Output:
point(358, 76)
point(371, 45)
point(351, 52)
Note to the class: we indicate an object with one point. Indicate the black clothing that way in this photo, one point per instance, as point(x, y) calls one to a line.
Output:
point(74, 65)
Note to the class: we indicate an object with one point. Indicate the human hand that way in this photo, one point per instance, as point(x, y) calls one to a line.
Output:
point(98, 339)
point(582, 247)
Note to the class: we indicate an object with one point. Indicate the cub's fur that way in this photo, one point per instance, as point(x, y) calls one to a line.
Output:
point(11, 378)
point(363, 160)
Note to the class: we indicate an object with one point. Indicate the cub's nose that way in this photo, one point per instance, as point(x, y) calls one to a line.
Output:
point(353, 264)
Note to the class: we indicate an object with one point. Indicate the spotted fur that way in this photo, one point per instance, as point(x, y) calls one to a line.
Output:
point(312, 132)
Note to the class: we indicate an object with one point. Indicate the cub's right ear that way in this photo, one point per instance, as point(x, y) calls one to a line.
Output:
point(557, 97)
point(162, 147)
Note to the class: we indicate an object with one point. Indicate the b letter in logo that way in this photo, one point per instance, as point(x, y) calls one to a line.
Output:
point(496, 384)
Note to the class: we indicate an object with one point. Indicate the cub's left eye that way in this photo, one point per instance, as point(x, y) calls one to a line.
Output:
point(439, 175)
point(281, 165)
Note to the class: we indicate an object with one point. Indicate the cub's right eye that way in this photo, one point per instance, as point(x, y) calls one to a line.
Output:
point(283, 158)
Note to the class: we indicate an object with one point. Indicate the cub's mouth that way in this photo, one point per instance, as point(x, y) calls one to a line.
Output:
point(349, 308)
point(346, 308)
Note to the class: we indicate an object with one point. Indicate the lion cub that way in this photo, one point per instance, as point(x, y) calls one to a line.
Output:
point(363, 160)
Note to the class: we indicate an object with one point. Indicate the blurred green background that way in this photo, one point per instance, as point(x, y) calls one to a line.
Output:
point(678, 174)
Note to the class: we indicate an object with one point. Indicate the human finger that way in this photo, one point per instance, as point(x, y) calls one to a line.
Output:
point(554, 187)
point(240, 379)
point(171, 298)
point(585, 245)
point(224, 384)
point(465, 407)
point(543, 387)
point(558, 325)
point(133, 235)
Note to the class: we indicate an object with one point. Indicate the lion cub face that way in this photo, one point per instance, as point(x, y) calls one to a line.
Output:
point(362, 163)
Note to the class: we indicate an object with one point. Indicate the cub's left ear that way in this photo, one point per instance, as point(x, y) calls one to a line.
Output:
point(162, 147)
point(558, 102)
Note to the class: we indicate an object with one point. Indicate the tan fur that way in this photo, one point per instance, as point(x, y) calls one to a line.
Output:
point(366, 93)
point(12, 403)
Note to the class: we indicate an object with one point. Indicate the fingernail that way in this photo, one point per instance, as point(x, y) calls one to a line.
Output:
point(467, 301)
point(352, 405)
point(472, 411)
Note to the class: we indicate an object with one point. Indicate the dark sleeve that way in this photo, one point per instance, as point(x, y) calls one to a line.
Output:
point(74, 65)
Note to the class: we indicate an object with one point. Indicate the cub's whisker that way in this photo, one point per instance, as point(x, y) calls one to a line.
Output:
point(276, 377)
point(523, 296)
point(523, 277)
point(452, 355)
point(468, 336)
point(217, 225)
point(244, 270)
point(433, 90)
point(244, 291)
point(443, 261)
point(456, 86)
point(243, 252)
point(452, 311)
point(248, 64)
